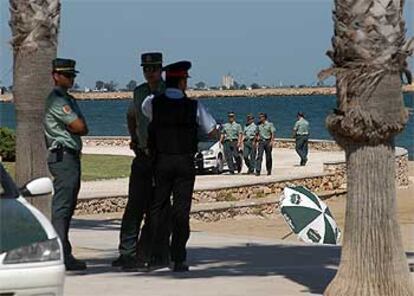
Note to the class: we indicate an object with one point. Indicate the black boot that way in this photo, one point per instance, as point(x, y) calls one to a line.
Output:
point(73, 264)
point(180, 267)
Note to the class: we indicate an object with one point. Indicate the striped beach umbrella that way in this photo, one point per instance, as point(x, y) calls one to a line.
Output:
point(308, 216)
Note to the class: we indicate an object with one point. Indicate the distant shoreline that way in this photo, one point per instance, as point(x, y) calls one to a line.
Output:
point(269, 92)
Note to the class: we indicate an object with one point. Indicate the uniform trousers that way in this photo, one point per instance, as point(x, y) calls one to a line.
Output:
point(231, 154)
point(302, 148)
point(66, 171)
point(264, 147)
point(140, 195)
point(249, 153)
point(174, 176)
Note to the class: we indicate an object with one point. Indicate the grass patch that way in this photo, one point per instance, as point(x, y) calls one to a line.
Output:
point(97, 167)
point(103, 167)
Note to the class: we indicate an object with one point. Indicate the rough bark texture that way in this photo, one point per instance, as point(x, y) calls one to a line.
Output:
point(373, 260)
point(34, 26)
point(369, 56)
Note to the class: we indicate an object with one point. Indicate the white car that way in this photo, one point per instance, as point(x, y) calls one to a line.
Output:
point(210, 157)
point(31, 255)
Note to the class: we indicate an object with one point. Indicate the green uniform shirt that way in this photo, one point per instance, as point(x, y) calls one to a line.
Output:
point(266, 130)
point(140, 93)
point(231, 131)
point(301, 127)
point(250, 131)
point(61, 110)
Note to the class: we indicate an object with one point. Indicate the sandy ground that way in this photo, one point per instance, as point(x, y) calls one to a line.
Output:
point(274, 226)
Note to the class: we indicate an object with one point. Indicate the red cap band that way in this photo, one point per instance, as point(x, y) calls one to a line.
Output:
point(177, 73)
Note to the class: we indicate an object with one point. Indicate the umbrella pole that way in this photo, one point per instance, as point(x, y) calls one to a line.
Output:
point(287, 235)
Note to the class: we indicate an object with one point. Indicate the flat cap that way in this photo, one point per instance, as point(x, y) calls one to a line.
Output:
point(151, 58)
point(178, 69)
point(64, 66)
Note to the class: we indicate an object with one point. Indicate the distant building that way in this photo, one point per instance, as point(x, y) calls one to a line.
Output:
point(227, 81)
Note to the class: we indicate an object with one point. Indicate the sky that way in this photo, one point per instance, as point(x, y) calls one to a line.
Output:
point(270, 42)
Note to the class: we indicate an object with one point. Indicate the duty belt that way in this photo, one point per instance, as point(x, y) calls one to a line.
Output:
point(71, 151)
point(67, 150)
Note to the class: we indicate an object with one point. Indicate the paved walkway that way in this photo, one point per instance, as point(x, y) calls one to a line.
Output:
point(285, 166)
point(220, 265)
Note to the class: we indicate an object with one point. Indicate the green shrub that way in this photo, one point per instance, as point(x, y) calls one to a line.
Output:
point(7, 144)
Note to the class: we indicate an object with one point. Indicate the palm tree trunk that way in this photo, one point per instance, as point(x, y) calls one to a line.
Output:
point(373, 260)
point(34, 26)
point(369, 56)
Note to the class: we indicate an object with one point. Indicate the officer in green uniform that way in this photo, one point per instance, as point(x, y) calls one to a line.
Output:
point(64, 125)
point(231, 138)
point(301, 134)
point(141, 178)
point(249, 143)
point(265, 136)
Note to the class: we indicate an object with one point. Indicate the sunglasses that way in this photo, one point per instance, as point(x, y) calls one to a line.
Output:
point(68, 75)
point(150, 69)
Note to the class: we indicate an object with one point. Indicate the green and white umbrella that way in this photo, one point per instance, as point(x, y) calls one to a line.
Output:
point(308, 216)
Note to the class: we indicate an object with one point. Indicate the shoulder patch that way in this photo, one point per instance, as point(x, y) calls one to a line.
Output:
point(67, 109)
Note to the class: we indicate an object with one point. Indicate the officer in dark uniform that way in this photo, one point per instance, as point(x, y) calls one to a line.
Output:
point(64, 125)
point(141, 178)
point(175, 120)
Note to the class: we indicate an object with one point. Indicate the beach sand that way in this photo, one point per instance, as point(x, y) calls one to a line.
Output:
point(273, 226)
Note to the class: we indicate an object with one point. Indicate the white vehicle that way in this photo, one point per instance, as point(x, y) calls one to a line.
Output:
point(31, 255)
point(210, 157)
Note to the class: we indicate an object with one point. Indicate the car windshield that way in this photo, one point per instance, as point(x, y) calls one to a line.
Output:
point(7, 187)
point(18, 226)
point(205, 145)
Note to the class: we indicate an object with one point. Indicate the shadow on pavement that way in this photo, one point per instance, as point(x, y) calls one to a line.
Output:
point(101, 225)
point(312, 267)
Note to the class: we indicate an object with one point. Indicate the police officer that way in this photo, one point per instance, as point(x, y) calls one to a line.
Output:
point(249, 144)
point(141, 178)
point(175, 120)
point(231, 138)
point(64, 125)
point(265, 136)
point(301, 134)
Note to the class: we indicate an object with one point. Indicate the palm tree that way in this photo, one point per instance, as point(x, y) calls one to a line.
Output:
point(34, 25)
point(369, 56)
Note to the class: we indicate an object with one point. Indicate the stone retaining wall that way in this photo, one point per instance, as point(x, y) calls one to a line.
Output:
point(261, 207)
point(320, 183)
point(401, 169)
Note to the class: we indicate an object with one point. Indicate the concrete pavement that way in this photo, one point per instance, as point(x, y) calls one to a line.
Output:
point(220, 265)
